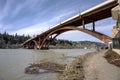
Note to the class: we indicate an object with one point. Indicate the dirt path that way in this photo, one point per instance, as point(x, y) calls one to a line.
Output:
point(97, 68)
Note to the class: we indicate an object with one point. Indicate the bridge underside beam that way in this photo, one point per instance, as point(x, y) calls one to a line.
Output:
point(98, 35)
point(96, 13)
point(45, 42)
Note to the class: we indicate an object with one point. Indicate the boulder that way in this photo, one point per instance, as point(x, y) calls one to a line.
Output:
point(114, 31)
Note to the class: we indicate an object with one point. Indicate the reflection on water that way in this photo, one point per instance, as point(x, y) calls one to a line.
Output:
point(14, 61)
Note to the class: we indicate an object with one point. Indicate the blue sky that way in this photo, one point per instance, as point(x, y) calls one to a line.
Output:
point(36, 16)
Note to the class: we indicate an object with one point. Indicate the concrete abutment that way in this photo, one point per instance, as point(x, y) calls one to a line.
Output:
point(116, 29)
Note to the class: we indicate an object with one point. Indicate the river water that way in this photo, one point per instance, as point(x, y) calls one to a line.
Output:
point(14, 61)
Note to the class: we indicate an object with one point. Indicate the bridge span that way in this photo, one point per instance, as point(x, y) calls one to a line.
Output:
point(91, 15)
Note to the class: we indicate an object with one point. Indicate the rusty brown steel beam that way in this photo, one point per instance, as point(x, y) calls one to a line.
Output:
point(95, 14)
point(98, 35)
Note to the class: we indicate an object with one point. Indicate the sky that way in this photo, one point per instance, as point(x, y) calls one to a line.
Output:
point(32, 17)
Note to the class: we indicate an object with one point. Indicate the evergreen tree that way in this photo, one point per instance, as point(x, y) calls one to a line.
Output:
point(2, 43)
point(7, 41)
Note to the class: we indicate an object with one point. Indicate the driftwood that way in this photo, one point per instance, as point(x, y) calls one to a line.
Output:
point(35, 68)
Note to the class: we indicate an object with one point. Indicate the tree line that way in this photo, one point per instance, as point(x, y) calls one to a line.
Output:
point(12, 41)
point(15, 41)
point(65, 44)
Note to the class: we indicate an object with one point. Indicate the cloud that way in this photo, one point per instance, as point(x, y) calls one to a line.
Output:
point(32, 30)
point(70, 35)
point(5, 10)
point(103, 26)
point(35, 16)
point(26, 5)
point(40, 27)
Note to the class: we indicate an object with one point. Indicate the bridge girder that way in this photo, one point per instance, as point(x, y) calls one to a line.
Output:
point(39, 44)
point(98, 35)
point(96, 13)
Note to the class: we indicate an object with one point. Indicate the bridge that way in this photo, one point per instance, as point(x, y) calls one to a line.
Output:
point(99, 12)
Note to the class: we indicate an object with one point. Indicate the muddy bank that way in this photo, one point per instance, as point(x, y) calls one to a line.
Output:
point(113, 58)
point(74, 70)
point(90, 66)
point(46, 67)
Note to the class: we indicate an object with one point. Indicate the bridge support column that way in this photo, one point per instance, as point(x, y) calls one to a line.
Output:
point(93, 26)
point(83, 23)
point(116, 28)
point(44, 46)
point(26, 46)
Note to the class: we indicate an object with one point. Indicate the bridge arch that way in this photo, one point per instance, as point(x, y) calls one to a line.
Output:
point(59, 31)
point(33, 44)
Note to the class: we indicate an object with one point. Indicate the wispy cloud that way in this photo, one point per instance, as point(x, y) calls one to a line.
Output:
point(32, 30)
point(35, 16)
point(41, 27)
point(6, 9)
point(104, 26)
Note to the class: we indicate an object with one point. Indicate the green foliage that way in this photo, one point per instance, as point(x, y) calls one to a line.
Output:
point(64, 42)
point(11, 41)
point(77, 44)
point(2, 43)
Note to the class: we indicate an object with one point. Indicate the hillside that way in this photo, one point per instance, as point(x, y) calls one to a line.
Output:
point(15, 41)
point(65, 44)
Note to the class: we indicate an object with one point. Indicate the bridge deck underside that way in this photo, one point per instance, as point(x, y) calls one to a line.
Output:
point(95, 15)
point(92, 16)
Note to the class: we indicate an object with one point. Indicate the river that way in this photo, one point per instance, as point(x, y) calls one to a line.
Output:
point(14, 61)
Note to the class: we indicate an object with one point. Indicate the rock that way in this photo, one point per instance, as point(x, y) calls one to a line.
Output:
point(113, 58)
point(115, 12)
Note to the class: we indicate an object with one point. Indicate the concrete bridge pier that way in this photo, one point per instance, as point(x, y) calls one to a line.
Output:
point(116, 28)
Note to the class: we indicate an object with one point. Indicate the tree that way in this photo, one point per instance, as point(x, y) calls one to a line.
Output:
point(2, 43)
point(7, 41)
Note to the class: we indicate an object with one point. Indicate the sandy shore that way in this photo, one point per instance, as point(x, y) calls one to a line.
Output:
point(91, 66)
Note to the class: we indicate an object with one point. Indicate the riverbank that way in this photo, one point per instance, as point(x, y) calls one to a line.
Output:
point(75, 70)
point(92, 66)
point(72, 71)
point(14, 61)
